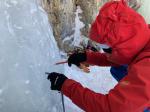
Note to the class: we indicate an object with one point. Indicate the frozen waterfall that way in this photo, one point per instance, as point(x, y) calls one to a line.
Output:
point(26, 52)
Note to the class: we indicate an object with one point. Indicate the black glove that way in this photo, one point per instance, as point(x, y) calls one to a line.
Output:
point(56, 80)
point(77, 58)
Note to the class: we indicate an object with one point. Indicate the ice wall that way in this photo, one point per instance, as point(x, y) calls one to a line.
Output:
point(27, 50)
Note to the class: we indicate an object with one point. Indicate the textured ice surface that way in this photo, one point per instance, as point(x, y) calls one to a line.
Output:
point(27, 50)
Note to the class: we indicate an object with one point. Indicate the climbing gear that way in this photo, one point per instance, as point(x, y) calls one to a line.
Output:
point(63, 102)
point(56, 80)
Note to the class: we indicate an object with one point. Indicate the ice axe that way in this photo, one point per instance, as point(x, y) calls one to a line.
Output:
point(82, 66)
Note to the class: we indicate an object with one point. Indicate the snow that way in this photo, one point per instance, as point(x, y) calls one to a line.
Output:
point(78, 26)
point(99, 80)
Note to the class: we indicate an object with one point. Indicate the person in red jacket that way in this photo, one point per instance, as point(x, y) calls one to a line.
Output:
point(127, 34)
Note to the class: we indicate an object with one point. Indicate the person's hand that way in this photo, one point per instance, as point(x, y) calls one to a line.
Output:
point(77, 58)
point(56, 80)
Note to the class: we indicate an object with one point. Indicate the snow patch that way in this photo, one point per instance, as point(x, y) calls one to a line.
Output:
point(99, 80)
point(78, 26)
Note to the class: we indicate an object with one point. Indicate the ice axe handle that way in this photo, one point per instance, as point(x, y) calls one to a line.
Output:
point(62, 62)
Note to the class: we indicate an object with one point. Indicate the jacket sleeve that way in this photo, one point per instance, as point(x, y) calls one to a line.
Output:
point(97, 58)
point(84, 98)
point(130, 95)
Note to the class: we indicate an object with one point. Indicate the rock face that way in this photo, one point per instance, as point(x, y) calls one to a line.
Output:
point(61, 15)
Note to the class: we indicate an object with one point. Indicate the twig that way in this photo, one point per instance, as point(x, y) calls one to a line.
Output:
point(61, 62)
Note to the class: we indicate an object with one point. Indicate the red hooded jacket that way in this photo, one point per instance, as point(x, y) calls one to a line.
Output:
point(127, 33)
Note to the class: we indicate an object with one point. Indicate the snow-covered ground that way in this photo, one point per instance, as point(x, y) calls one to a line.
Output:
point(98, 80)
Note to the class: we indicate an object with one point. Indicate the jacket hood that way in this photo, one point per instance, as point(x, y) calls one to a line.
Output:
point(121, 28)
